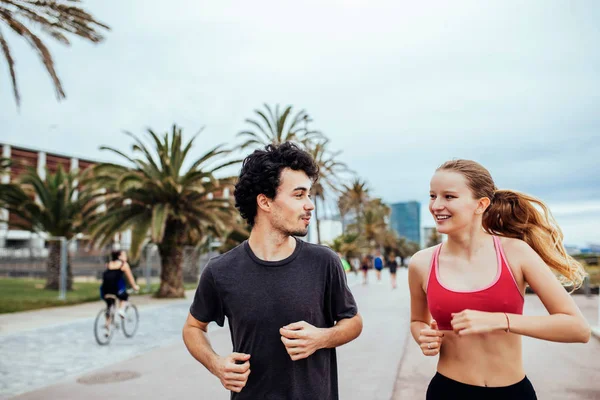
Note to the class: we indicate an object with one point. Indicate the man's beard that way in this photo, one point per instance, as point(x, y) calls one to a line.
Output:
point(280, 224)
point(300, 232)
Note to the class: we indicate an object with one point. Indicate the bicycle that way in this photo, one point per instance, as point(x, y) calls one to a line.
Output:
point(129, 321)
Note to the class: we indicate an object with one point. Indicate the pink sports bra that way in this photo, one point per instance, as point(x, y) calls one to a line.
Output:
point(502, 295)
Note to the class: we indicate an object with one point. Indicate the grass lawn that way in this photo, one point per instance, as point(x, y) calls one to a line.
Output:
point(28, 294)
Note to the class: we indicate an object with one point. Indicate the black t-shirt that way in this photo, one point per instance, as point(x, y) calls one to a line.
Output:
point(260, 297)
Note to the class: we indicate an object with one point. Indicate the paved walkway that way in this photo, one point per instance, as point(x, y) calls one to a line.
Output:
point(55, 316)
point(60, 359)
point(63, 344)
point(367, 366)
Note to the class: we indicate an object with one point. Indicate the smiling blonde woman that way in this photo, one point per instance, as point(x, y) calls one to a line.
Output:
point(467, 294)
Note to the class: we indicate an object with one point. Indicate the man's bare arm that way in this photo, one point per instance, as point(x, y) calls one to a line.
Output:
point(233, 376)
point(195, 337)
point(344, 331)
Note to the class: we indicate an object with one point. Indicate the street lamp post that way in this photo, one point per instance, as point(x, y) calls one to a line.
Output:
point(62, 283)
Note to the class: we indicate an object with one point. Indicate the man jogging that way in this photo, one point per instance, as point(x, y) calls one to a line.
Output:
point(286, 301)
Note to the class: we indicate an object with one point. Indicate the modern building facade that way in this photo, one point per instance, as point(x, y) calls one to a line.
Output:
point(23, 158)
point(405, 220)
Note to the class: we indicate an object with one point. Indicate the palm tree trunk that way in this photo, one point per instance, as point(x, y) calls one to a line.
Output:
point(53, 267)
point(171, 261)
point(171, 274)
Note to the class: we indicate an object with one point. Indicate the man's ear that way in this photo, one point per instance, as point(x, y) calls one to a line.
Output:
point(482, 205)
point(263, 202)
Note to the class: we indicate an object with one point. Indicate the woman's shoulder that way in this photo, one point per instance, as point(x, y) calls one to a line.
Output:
point(421, 260)
point(518, 254)
point(515, 248)
point(117, 265)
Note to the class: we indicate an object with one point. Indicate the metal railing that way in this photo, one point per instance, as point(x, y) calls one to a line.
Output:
point(89, 263)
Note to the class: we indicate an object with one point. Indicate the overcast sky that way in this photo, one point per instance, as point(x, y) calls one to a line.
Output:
point(399, 86)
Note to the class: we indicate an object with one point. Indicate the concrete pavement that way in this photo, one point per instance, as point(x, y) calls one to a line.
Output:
point(383, 363)
point(35, 319)
point(63, 342)
point(367, 366)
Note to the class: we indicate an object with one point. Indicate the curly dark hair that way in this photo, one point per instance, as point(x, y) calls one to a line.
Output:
point(261, 173)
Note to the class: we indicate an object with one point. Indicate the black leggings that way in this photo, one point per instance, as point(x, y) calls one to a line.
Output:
point(443, 388)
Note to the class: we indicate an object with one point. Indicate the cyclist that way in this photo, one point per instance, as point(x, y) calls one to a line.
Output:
point(113, 283)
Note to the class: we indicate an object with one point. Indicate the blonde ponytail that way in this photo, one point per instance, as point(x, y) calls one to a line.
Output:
point(515, 215)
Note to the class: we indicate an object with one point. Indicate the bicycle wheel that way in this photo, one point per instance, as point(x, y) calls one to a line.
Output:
point(131, 320)
point(102, 334)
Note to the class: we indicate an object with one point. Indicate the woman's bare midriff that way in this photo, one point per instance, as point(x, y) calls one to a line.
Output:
point(491, 359)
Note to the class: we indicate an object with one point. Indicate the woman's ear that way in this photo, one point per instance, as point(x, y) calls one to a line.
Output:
point(482, 205)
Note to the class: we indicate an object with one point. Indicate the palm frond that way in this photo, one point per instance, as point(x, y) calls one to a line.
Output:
point(162, 191)
point(57, 19)
point(11, 67)
point(273, 127)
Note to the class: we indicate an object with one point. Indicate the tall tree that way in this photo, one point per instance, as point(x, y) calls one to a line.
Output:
point(354, 197)
point(156, 197)
point(399, 245)
point(434, 238)
point(275, 127)
point(330, 169)
point(50, 205)
point(237, 231)
point(374, 222)
point(58, 19)
point(347, 244)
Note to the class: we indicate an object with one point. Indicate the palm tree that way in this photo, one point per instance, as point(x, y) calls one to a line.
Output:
point(236, 233)
point(347, 244)
point(408, 249)
point(434, 238)
point(58, 19)
point(59, 211)
point(274, 127)
point(353, 198)
point(390, 242)
point(157, 197)
point(374, 222)
point(329, 174)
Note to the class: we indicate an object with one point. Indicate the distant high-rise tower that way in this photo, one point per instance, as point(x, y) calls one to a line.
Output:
point(406, 220)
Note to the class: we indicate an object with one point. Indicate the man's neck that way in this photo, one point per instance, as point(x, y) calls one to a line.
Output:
point(269, 244)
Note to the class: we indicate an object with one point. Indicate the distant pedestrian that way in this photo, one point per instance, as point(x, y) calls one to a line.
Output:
point(378, 265)
point(392, 264)
point(467, 294)
point(365, 264)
